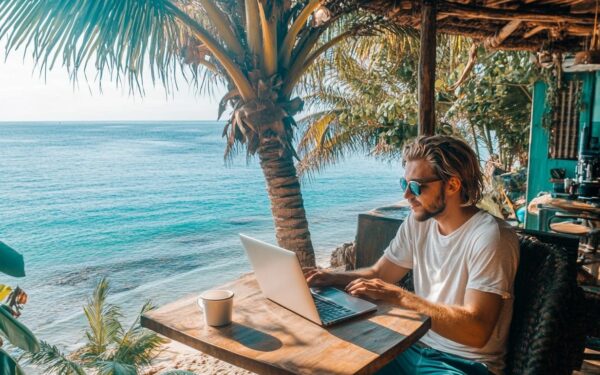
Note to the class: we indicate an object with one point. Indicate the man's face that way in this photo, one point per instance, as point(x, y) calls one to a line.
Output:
point(432, 201)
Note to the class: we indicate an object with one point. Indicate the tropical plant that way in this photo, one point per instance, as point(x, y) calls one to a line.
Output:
point(358, 108)
point(494, 105)
point(110, 347)
point(11, 263)
point(368, 102)
point(260, 49)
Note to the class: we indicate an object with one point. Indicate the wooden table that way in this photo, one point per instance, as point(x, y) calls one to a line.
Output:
point(546, 209)
point(269, 339)
point(574, 206)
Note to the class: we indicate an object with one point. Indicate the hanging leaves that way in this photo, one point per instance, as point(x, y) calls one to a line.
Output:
point(16, 332)
point(11, 262)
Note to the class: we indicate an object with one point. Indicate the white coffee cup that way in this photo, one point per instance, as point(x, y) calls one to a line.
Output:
point(217, 306)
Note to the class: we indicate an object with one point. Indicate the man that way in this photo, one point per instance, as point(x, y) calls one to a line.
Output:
point(463, 260)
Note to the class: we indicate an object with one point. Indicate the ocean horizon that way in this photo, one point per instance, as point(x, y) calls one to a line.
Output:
point(152, 206)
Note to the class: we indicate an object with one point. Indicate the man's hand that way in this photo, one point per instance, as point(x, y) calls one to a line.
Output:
point(376, 289)
point(318, 277)
point(322, 277)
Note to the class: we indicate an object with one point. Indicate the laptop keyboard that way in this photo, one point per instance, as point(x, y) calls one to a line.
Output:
point(330, 311)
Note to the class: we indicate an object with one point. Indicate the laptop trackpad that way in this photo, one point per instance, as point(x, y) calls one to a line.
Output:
point(344, 299)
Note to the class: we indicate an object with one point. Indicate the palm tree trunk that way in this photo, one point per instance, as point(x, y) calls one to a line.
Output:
point(475, 142)
point(287, 207)
point(488, 140)
point(510, 158)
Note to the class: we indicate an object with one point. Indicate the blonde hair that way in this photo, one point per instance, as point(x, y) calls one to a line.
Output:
point(449, 157)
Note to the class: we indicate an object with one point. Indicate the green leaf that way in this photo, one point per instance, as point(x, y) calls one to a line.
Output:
point(8, 365)
point(103, 319)
point(53, 361)
point(114, 368)
point(17, 333)
point(11, 262)
point(4, 291)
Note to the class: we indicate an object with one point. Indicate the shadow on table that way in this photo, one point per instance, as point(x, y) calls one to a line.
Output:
point(251, 338)
point(375, 337)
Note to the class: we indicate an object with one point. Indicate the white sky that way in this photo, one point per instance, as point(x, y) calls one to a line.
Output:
point(25, 96)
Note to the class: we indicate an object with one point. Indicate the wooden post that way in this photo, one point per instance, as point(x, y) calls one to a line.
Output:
point(427, 69)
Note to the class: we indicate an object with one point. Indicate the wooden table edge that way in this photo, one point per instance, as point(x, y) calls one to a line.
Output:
point(257, 366)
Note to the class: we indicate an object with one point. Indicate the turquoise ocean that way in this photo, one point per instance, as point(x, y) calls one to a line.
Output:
point(154, 207)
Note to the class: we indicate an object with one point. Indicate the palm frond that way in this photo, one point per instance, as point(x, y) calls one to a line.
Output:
point(139, 349)
point(315, 135)
point(224, 28)
point(298, 69)
point(269, 41)
point(234, 71)
point(103, 320)
point(335, 147)
point(252, 27)
point(54, 361)
point(118, 36)
point(290, 39)
point(104, 367)
point(137, 345)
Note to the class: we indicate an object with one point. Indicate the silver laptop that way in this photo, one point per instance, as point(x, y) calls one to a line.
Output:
point(281, 279)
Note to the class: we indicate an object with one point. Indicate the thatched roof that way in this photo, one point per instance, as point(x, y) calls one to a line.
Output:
point(565, 25)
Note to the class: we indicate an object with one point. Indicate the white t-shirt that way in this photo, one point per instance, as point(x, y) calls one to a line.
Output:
point(483, 254)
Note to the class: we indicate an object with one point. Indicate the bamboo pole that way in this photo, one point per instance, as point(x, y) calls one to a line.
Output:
point(427, 68)
point(495, 14)
point(502, 34)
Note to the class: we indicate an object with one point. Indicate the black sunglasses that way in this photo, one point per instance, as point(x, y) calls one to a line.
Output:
point(415, 186)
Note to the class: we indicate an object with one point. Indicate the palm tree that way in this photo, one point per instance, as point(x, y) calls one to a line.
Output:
point(259, 48)
point(110, 348)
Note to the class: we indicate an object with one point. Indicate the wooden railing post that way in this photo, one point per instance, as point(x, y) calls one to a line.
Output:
point(427, 68)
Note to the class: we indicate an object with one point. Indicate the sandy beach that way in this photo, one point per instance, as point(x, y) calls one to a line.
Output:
point(176, 356)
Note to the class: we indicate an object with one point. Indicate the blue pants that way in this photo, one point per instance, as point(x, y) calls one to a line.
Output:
point(417, 360)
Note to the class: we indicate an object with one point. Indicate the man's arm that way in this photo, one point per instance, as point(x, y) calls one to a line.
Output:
point(383, 269)
point(471, 324)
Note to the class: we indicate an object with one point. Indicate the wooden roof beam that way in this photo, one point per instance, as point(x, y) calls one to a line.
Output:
point(534, 31)
point(468, 11)
point(502, 34)
point(495, 3)
point(510, 44)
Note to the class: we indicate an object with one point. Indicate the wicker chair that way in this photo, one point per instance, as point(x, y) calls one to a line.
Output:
point(547, 334)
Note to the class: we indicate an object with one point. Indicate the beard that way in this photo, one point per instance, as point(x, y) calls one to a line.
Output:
point(438, 207)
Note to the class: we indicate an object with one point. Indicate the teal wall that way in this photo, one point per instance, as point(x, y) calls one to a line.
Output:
point(596, 108)
point(538, 173)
